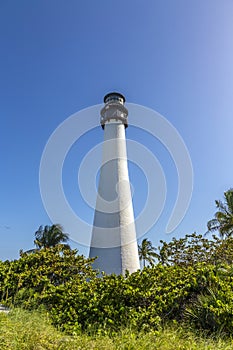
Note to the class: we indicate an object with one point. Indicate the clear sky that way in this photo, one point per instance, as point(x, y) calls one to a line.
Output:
point(58, 57)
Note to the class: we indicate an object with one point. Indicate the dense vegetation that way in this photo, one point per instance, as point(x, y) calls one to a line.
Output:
point(189, 282)
point(192, 283)
point(23, 330)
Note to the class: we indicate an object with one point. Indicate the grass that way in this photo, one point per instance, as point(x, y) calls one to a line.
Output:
point(23, 330)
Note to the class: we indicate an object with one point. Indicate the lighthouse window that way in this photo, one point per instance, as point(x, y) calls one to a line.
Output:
point(115, 98)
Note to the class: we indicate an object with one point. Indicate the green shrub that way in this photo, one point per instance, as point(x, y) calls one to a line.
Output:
point(212, 310)
point(77, 300)
point(140, 300)
point(194, 248)
point(33, 274)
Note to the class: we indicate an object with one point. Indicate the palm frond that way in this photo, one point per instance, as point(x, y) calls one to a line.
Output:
point(50, 236)
point(223, 221)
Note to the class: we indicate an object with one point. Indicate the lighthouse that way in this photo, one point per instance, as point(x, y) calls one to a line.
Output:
point(114, 240)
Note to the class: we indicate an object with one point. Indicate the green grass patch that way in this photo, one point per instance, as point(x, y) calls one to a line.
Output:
point(24, 330)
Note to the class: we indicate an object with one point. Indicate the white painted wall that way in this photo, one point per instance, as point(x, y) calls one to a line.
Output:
point(114, 236)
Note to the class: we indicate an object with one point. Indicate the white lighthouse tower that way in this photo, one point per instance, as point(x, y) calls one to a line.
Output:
point(114, 241)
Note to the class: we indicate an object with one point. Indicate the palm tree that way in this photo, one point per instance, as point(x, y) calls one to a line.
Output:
point(223, 221)
point(146, 252)
point(50, 236)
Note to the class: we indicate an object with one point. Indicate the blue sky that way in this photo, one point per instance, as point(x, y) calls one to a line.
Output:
point(58, 57)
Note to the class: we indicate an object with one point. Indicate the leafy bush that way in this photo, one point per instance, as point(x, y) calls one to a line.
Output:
point(140, 300)
point(194, 249)
point(178, 289)
point(30, 276)
point(212, 310)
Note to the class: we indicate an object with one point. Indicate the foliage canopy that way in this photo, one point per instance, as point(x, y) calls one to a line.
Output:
point(192, 283)
point(223, 221)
